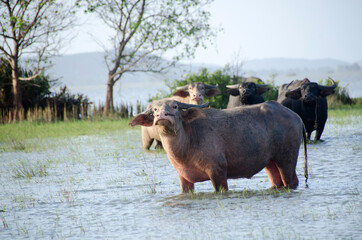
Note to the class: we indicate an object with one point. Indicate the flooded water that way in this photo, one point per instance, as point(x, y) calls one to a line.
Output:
point(106, 187)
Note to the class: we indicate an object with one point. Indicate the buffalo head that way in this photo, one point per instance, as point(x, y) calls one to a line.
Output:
point(196, 92)
point(247, 91)
point(168, 115)
point(309, 92)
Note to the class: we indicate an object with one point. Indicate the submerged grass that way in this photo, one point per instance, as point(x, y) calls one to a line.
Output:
point(27, 171)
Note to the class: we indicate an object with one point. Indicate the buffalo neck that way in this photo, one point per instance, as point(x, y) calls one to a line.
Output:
point(176, 145)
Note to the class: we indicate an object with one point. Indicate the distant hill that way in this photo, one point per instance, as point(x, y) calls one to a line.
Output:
point(87, 73)
point(284, 64)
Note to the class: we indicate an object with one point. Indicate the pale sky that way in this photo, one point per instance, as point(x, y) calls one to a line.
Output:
point(311, 29)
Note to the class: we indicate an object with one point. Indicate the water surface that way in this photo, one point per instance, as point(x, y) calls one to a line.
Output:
point(106, 187)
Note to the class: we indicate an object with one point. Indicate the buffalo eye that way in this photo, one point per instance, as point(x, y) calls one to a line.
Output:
point(175, 107)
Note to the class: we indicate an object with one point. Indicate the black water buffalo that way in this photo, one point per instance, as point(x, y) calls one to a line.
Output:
point(193, 93)
point(308, 100)
point(246, 93)
point(216, 145)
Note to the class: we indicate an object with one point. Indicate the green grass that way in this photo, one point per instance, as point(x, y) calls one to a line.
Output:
point(346, 110)
point(16, 133)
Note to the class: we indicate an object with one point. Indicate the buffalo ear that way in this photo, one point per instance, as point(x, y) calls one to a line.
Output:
point(192, 114)
point(142, 119)
point(181, 93)
point(295, 94)
point(233, 91)
point(212, 92)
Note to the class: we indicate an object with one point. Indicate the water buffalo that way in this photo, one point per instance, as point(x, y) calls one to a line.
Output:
point(308, 100)
point(211, 144)
point(245, 93)
point(193, 93)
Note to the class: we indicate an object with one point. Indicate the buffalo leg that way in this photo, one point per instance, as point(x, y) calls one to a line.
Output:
point(186, 186)
point(146, 143)
point(220, 184)
point(219, 181)
point(158, 144)
point(289, 178)
point(218, 174)
point(309, 133)
point(319, 132)
point(146, 139)
point(274, 175)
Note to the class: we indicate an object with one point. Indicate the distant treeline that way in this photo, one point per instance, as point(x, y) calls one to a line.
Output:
point(40, 104)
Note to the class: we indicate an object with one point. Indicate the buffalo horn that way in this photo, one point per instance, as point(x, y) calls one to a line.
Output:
point(186, 105)
point(262, 85)
point(323, 87)
point(182, 87)
point(233, 86)
point(207, 86)
point(148, 111)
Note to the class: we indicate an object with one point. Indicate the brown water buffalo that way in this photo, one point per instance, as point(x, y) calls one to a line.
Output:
point(245, 93)
point(193, 93)
point(308, 100)
point(211, 144)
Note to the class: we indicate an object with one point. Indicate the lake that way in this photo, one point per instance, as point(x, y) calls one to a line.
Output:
point(106, 187)
point(139, 87)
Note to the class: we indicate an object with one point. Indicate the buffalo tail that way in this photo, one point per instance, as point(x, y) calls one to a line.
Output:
point(305, 155)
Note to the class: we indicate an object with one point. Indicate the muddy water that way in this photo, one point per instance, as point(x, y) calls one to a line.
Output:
point(105, 187)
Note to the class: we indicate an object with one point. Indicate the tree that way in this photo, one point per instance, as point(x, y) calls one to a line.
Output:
point(33, 91)
point(30, 30)
point(145, 29)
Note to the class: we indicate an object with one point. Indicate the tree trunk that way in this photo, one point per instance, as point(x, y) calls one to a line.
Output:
point(17, 97)
point(108, 106)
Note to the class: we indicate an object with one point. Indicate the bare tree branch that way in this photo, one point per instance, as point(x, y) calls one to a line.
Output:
point(32, 28)
point(145, 29)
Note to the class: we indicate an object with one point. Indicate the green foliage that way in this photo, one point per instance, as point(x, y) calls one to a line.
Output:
point(5, 84)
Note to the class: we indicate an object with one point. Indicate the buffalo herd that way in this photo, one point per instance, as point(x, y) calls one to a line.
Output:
point(237, 142)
